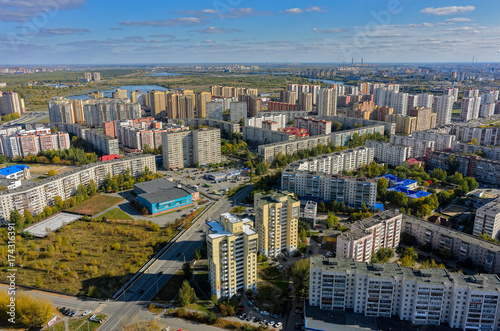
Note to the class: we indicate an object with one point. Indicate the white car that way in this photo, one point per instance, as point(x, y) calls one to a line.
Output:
point(265, 313)
point(277, 325)
point(86, 313)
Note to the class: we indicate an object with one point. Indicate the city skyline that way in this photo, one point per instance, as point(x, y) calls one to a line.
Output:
point(89, 32)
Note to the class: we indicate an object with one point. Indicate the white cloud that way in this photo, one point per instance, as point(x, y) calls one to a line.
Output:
point(180, 21)
point(331, 30)
point(22, 11)
point(315, 9)
point(293, 11)
point(51, 32)
point(451, 10)
point(459, 19)
point(214, 30)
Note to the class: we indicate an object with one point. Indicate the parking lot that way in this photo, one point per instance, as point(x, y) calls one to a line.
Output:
point(248, 313)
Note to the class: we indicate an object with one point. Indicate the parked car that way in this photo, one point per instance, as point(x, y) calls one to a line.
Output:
point(73, 314)
point(86, 313)
point(277, 325)
point(256, 309)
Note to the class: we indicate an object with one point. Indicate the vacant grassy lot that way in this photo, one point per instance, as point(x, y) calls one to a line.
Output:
point(117, 214)
point(88, 258)
point(42, 169)
point(95, 205)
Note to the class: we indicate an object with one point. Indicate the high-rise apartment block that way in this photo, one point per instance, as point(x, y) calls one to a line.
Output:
point(11, 103)
point(443, 106)
point(276, 220)
point(97, 76)
point(202, 99)
point(254, 104)
point(327, 101)
point(425, 296)
point(487, 219)
point(92, 112)
point(385, 152)
point(366, 237)
point(426, 119)
point(305, 101)
point(232, 256)
point(88, 76)
point(185, 148)
point(120, 94)
point(470, 109)
point(238, 111)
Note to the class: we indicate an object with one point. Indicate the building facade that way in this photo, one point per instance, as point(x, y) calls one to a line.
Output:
point(232, 256)
point(487, 219)
point(276, 219)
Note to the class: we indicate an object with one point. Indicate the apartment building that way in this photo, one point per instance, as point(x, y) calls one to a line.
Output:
point(327, 101)
point(443, 106)
point(263, 136)
point(319, 186)
point(93, 112)
point(419, 147)
point(485, 151)
point(10, 103)
point(276, 221)
point(32, 142)
point(232, 256)
point(442, 140)
point(289, 115)
point(256, 122)
point(482, 253)
point(426, 119)
point(185, 148)
point(366, 237)
point(238, 111)
point(487, 219)
point(335, 163)
point(482, 169)
point(484, 136)
point(305, 101)
point(202, 99)
point(103, 143)
point(36, 195)
point(385, 152)
point(404, 124)
point(314, 127)
point(196, 122)
point(425, 296)
point(470, 109)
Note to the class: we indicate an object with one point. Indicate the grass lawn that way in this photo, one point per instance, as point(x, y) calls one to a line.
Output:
point(274, 276)
point(59, 326)
point(117, 214)
point(88, 258)
point(96, 204)
point(201, 305)
point(201, 278)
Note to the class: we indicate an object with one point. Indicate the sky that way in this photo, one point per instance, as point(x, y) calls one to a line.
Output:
point(242, 31)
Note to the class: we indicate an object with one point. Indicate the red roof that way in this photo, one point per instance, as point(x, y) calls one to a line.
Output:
point(109, 157)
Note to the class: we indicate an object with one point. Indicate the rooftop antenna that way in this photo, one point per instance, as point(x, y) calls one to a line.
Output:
point(361, 63)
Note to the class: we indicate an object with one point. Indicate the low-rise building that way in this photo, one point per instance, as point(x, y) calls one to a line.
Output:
point(162, 195)
point(18, 171)
point(385, 152)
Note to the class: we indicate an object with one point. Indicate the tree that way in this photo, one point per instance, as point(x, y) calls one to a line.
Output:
point(259, 257)
point(300, 275)
point(197, 254)
point(398, 198)
point(54, 129)
point(452, 164)
point(260, 169)
point(16, 218)
point(92, 188)
point(187, 294)
point(56, 160)
point(382, 185)
point(383, 255)
point(332, 221)
point(213, 298)
point(30, 311)
point(52, 173)
point(28, 217)
point(439, 174)
point(188, 270)
point(475, 141)
point(58, 202)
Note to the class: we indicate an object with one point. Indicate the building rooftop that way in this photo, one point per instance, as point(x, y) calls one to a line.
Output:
point(492, 207)
point(13, 169)
point(216, 230)
point(275, 196)
point(359, 229)
point(155, 185)
point(483, 282)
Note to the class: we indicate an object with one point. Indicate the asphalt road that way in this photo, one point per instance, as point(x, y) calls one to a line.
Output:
point(146, 287)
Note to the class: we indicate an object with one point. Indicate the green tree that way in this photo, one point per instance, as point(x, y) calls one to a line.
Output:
point(300, 276)
point(28, 217)
point(58, 202)
point(382, 185)
point(439, 174)
point(259, 257)
point(397, 198)
point(187, 294)
point(260, 169)
point(383, 255)
point(332, 221)
point(16, 218)
point(92, 188)
point(197, 254)
point(188, 270)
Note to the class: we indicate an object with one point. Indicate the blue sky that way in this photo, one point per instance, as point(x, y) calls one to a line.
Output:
point(237, 31)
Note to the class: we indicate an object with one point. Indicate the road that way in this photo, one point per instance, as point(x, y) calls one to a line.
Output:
point(146, 287)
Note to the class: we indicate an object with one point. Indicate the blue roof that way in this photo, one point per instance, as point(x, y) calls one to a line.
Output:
point(13, 169)
point(401, 189)
point(418, 194)
point(408, 182)
point(389, 178)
